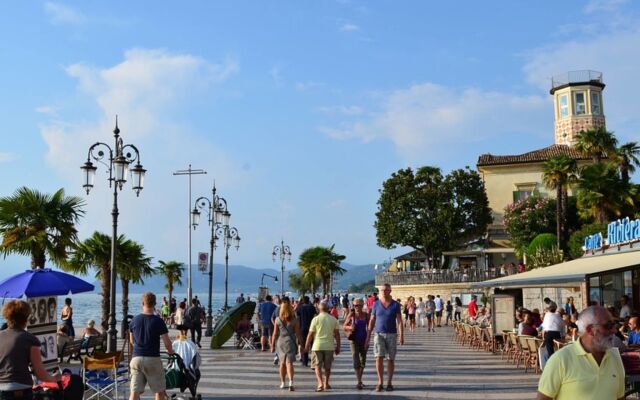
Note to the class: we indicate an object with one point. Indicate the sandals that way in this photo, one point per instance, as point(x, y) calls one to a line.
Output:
point(359, 386)
point(379, 388)
point(320, 389)
point(327, 387)
point(389, 388)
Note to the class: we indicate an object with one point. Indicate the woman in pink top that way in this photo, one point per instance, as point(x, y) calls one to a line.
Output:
point(411, 313)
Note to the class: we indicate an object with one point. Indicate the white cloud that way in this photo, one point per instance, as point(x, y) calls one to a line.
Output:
point(7, 157)
point(594, 6)
point(61, 14)
point(431, 120)
point(342, 110)
point(147, 89)
point(304, 86)
point(48, 110)
point(349, 27)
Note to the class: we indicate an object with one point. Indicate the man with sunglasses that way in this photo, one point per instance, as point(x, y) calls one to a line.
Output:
point(590, 368)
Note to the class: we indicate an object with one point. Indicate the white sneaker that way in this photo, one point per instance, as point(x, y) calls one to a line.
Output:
point(282, 385)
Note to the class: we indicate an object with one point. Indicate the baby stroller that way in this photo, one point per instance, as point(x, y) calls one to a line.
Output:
point(186, 361)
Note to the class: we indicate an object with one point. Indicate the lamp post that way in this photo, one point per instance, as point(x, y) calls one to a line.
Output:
point(275, 278)
point(283, 251)
point(229, 235)
point(216, 212)
point(119, 157)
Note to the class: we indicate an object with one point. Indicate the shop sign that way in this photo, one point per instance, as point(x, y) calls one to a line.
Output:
point(619, 232)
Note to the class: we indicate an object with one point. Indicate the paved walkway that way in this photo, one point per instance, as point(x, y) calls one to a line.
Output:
point(429, 366)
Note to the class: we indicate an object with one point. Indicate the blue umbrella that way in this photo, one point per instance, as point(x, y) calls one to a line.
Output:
point(41, 283)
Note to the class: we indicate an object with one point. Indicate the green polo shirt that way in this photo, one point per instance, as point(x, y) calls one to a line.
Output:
point(323, 327)
point(571, 373)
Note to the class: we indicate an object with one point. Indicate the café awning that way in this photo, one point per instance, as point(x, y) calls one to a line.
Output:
point(574, 271)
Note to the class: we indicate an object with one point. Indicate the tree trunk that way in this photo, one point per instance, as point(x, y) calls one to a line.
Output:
point(565, 205)
point(37, 259)
point(624, 173)
point(559, 215)
point(105, 278)
point(125, 297)
point(171, 294)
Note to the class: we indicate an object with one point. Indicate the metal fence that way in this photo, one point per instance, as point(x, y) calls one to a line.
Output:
point(437, 276)
point(576, 76)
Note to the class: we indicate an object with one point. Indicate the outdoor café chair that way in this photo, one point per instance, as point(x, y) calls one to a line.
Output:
point(523, 351)
point(102, 376)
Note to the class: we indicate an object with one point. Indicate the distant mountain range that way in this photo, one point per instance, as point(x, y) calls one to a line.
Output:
point(246, 279)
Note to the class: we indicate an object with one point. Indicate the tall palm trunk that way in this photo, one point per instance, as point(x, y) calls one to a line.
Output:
point(105, 279)
point(37, 259)
point(558, 214)
point(125, 302)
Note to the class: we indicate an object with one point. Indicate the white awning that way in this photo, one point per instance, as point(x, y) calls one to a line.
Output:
point(574, 271)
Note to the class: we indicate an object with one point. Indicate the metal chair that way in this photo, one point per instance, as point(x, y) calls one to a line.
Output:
point(102, 376)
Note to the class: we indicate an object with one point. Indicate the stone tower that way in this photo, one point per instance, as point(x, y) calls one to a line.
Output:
point(577, 104)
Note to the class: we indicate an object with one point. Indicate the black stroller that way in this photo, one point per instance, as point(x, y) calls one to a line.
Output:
point(187, 376)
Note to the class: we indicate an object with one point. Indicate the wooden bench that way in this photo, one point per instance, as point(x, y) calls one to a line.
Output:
point(71, 350)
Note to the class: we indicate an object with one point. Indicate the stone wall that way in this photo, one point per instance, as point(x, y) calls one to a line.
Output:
point(532, 297)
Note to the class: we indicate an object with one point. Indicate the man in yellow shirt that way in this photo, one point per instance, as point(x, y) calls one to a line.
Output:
point(322, 332)
point(590, 368)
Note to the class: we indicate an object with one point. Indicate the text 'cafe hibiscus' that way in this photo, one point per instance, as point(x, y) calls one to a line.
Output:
point(620, 232)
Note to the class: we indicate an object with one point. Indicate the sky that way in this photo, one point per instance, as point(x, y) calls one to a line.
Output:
point(298, 111)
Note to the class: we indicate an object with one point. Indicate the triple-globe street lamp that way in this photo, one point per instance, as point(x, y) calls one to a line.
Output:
point(284, 252)
point(117, 160)
point(217, 215)
point(230, 237)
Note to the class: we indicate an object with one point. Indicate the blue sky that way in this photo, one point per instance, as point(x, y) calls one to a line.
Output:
point(298, 110)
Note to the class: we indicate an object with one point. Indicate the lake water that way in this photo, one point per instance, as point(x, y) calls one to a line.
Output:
point(87, 306)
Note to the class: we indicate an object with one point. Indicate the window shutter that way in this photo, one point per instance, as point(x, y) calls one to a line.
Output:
point(516, 196)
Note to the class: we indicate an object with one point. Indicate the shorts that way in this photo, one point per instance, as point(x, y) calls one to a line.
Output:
point(412, 317)
point(359, 353)
point(266, 330)
point(429, 316)
point(147, 369)
point(439, 313)
point(385, 345)
point(322, 359)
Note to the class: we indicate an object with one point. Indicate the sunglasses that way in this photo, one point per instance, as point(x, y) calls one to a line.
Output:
point(357, 305)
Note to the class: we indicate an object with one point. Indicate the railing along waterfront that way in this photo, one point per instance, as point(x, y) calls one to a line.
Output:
point(438, 276)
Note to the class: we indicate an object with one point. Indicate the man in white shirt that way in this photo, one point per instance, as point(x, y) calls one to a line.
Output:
point(421, 310)
point(439, 306)
point(553, 327)
point(625, 310)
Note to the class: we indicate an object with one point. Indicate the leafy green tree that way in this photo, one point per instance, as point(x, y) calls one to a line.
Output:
point(172, 271)
point(596, 143)
point(627, 158)
point(133, 265)
point(319, 264)
point(544, 257)
point(303, 283)
point(94, 253)
point(526, 219)
point(364, 287)
point(602, 194)
point(558, 173)
point(39, 225)
point(542, 241)
point(431, 213)
point(576, 240)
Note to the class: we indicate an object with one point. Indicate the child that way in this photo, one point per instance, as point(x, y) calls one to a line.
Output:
point(449, 309)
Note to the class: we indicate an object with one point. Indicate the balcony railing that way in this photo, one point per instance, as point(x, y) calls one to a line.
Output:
point(437, 276)
point(576, 77)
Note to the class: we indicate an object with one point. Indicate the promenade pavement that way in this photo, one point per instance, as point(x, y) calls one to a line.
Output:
point(429, 366)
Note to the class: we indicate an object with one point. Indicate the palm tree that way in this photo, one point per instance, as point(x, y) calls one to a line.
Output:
point(319, 264)
point(302, 283)
point(558, 174)
point(39, 225)
point(172, 271)
point(95, 253)
point(602, 194)
point(133, 265)
point(627, 159)
point(595, 143)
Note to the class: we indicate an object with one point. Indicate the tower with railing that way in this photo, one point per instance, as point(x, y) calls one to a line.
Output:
point(577, 100)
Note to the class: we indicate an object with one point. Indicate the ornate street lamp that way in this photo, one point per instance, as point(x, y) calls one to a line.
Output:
point(117, 159)
point(217, 205)
point(275, 279)
point(231, 238)
point(284, 252)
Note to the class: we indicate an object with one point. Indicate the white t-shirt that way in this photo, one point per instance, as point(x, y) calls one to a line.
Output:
point(625, 311)
point(421, 308)
point(439, 303)
point(552, 322)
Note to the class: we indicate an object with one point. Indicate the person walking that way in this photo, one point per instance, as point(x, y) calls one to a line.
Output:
point(472, 307)
point(285, 339)
point(385, 324)
point(439, 306)
point(265, 311)
point(430, 307)
point(355, 325)
point(240, 299)
point(411, 313)
point(195, 316)
point(553, 327)
point(305, 313)
point(457, 314)
point(145, 332)
point(449, 310)
point(322, 332)
point(590, 368)
point(420, 312)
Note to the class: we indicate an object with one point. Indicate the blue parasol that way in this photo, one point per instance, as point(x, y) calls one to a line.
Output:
point(42, 282)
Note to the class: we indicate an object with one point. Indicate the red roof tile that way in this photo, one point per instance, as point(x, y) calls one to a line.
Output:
point(535, 156)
